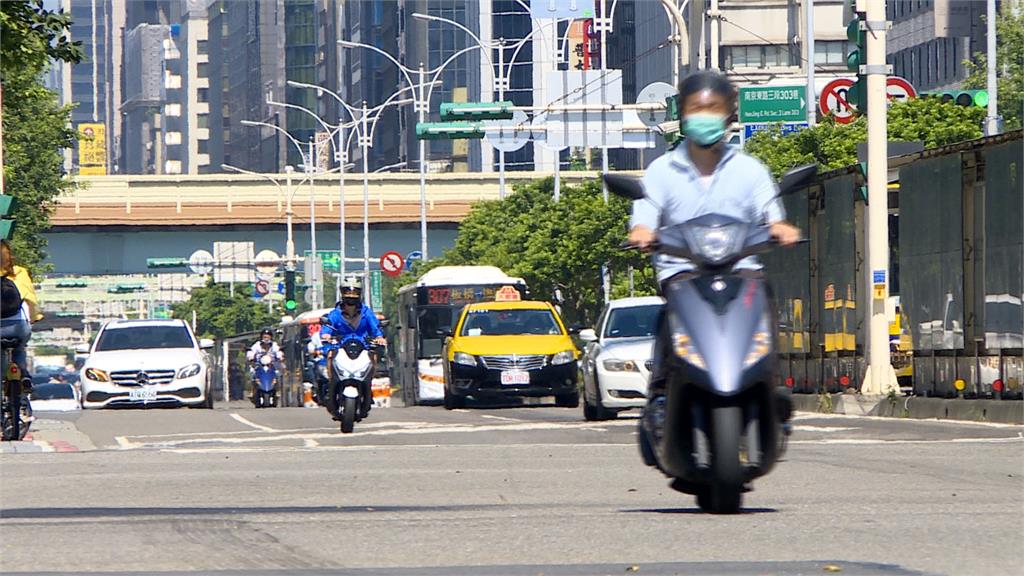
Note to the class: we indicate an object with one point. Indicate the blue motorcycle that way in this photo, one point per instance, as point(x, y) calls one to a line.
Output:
point(264, 394)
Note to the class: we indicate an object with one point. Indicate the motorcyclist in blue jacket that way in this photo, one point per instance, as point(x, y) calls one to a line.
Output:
point(352, 318)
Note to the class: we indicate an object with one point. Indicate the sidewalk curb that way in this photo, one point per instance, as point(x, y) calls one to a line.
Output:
point(1000, 411)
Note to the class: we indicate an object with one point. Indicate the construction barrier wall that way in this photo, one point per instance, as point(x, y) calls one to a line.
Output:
point(956, 266)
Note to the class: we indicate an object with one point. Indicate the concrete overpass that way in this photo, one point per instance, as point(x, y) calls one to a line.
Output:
point(228, 199)
point(112, 224)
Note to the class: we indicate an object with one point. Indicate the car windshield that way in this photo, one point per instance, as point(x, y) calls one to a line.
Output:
point(509, 322)
point(52, 392)
point(632, 322)
point(143, 338)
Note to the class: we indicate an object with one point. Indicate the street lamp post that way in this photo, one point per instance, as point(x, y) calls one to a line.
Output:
point(421, 104)
point(287, 193)
point(312, 205)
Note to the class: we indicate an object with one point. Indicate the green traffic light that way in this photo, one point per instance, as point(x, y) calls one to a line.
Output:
point(289, 305)
point(981, 98)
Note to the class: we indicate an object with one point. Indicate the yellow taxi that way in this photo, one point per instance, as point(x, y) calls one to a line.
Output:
point(510, 348)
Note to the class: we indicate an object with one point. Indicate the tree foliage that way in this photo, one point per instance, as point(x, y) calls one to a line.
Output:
point(1009, 68)
point(35, 126)
point(219, 314)
point(833, 145)
point(554, 244)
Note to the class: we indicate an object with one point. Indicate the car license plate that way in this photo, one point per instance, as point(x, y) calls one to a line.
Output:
point(512, 377)
point(143, 393)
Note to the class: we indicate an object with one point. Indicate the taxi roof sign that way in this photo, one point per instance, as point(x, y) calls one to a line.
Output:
point(507, 294)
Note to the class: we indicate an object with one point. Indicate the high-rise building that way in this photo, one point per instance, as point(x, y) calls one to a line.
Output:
point(929, 41)
point(94, 84)
point(371, 77)
point(148, 48)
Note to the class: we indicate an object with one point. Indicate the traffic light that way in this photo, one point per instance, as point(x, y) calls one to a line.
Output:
point(166, 262)
point(977, 98)
point(449, 130)
point(289, 290)
point(6, 223)
point(858, 93)
point(454, 111)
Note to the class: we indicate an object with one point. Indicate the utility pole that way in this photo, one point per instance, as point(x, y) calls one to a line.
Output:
point(993, 123)
point(812, 110)
point(880, 377)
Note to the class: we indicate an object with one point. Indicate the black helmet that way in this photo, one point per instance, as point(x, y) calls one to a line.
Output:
point(267, 332)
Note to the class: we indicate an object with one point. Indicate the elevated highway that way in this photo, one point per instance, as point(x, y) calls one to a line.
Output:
point(226, 199)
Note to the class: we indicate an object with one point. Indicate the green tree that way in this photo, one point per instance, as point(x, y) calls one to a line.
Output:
point(1009, 68)
point(219, 314)
point(833, 145)
point(553, 244)
point(35, 126)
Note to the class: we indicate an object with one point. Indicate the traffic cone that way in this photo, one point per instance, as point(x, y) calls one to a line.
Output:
point(307, 395)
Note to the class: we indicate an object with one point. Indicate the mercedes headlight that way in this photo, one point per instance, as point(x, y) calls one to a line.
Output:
point(189, 371)
point(715, 243)
point(96, 375)
point(563, 357)
point(464, 359)
point(685, 349)
point(620, 366)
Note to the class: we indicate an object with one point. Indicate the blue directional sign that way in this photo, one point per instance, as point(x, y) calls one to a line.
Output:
point(575, 9)
point(414, 255)
point(788, 128)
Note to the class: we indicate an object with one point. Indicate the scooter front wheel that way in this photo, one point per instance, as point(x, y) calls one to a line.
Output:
point(725, 495)
point(348, 415)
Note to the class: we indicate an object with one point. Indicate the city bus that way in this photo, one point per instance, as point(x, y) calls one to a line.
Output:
point(431, 305)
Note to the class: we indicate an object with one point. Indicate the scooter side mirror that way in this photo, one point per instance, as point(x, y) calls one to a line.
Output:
point(797, 178)
point(628, 187)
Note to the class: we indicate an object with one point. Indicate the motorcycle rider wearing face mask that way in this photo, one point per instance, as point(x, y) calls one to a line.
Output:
point(351, 317)
point(701, 175)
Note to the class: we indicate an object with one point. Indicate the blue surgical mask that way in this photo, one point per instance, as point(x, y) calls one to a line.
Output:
point(703, 128)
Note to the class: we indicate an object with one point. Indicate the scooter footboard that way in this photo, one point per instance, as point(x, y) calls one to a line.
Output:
point(685, 448)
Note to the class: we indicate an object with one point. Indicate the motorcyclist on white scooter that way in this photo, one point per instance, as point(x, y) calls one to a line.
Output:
point(351, 317)
point(702, 175)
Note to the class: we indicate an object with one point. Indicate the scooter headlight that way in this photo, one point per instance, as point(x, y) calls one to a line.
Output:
point(685, 349)
point(759, 348)
point(189, 371)
point(717, 242)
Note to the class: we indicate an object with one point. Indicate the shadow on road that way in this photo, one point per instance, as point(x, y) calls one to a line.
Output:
point(693, 511)
point(97, 512)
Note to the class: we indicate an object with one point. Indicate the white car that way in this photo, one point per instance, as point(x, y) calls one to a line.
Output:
point(55, 397)
point(617, 359)
point(146, 363)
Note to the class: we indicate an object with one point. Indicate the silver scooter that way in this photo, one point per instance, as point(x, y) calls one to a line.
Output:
point(719, 421)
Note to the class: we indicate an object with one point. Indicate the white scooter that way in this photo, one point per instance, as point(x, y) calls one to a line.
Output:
point(351, 373)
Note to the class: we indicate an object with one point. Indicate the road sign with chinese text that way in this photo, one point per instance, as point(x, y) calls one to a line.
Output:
point(759, 104)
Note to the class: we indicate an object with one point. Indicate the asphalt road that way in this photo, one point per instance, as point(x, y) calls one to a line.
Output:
point(515, 491)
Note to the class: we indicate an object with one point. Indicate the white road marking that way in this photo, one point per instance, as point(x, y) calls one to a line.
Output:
point(362, 431)
point(310, 443)
point(247, 422)
point(382, 447)
point(799, 428)
point(125, 444)
point(877, 441)
point(502, 418)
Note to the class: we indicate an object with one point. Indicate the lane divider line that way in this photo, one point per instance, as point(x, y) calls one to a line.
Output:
point(248, 422)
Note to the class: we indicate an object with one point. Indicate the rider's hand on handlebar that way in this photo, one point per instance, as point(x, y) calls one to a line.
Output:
point(641, 237)
point(380, 341)
point(785, 233)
